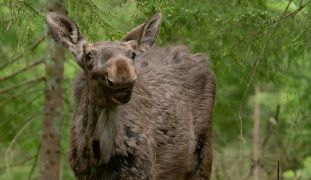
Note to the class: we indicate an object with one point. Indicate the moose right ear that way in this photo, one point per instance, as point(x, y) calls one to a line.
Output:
point(145, 34)
point(65, 31)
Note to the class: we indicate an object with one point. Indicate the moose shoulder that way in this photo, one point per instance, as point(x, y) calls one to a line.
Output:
point(141, 112)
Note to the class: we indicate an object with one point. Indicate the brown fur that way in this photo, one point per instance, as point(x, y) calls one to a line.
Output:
point(163, 132)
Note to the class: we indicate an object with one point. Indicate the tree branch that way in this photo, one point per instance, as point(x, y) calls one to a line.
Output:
point(250, 77)
point(33, 46)
point(22, 162)
point(22, 92)
point(32, 81)
point(301, 7)
point(29, 120)
point(22, 70)
point(35, 162)
point(18, 112)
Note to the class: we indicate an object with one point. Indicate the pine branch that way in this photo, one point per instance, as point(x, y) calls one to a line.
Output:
point(22, 70)
point(292, 14)
point(32, 81)
point(18, 112)
point(6, 22)
point(7, 153)
point(8, 99)
point(250, 77)
point(33, 47)
point(19, 163)
point(273, 30)
point(35, 162)
point(32, 9)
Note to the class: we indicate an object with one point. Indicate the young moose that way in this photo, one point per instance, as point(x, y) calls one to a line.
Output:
point(141, 112)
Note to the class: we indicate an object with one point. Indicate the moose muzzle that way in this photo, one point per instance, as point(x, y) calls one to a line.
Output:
point(121, 76)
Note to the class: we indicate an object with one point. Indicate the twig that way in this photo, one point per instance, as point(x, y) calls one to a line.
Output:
point(35, 162)
point(283, 148)
point(276, 25)
point(6, 21)
point(18, 112)
point(66, 98)
point(296, 10)
point(299, 97)
point(249, 173)
point(271, 126)
point(29, 120)
point(32, 9)
point(255, 65)
point(22, 70)
point(32, 81)
point(278, 175)
point(33, 46)
point(20, 93)
point(18, 163)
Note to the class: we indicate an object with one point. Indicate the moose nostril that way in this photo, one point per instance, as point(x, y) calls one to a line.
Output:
point(110, 83)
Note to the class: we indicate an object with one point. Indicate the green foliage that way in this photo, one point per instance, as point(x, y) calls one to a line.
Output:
point(303, 173)
point(265, 42)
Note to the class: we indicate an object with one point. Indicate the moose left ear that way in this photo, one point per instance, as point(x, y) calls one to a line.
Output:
point(65, 32)
point(146, 34)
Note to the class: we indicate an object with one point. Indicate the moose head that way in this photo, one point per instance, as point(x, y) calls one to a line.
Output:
point(108, 66)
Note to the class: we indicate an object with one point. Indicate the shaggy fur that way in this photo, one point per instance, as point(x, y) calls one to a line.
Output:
point(165, 135)
point(163, 132)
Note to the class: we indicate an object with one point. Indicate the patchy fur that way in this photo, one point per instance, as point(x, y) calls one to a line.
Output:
point(166, 135)
point(148, 117)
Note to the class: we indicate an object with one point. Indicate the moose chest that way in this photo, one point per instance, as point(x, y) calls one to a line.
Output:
point(107, 145)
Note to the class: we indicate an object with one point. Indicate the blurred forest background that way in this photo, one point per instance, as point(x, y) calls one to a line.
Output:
point(260, 51)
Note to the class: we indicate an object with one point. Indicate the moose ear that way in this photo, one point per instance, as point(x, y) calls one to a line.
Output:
point(65, 31)
point(145, 34)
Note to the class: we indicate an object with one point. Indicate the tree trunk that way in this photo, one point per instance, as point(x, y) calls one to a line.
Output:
point(256, 137)
point(51, 140)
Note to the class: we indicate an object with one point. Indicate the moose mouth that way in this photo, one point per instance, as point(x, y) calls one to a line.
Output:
point(121, 95)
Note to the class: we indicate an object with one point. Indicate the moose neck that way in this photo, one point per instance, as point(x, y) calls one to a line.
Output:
point(102, 123)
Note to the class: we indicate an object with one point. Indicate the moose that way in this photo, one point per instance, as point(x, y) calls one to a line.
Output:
point(141, 111)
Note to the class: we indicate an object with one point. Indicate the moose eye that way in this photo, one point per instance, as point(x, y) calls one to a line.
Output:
point(132, 55)
point(88, 61)
point(89, 57)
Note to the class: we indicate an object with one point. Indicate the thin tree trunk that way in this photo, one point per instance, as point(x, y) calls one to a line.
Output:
point(51, 140)
point(256, 138)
